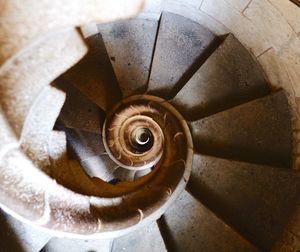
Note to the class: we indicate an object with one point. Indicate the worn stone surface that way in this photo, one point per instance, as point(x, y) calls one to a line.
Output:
point(89, 30)
point(18, 236)
point(130, 45)
point(288, 243)
point(71, 213)
point(77, 245)
point(90, 152)
point(289, 11)
point(293, 225)
point(38, 125)
point(25, 189)
point(230, 76)
point(60, 169)
point(152, 9)
point(239, 5)
point(7, 136)
point(84, 144)
point(258, 131)
point(275, 71)
point(246, 29)
point(248, 33)
point(189, 226)
point(179, 7)
point(20, 190)
point(257, 12)
point(255, 200)
point(25, 21)
point(27, 75)
point(145, 239)
point(94, 76)
point(181, 46)
point(78, 112)
point(290, 55)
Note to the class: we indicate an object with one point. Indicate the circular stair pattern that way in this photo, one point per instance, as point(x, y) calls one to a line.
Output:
point(160, 121)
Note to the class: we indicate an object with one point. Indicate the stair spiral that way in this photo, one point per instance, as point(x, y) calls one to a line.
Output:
point(152, 134)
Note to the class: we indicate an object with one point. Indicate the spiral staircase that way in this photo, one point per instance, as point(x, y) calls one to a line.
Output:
point(163, 132)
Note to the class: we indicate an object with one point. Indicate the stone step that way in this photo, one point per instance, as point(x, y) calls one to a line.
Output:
point(230, 76)
point(78, 112)
point(57, 244)
point(258, 131)
point(181, 46)
point(144, 239)
point(189, 226)
point(130, 45)
point(89, 150)
point(94, 75)
point(18, 236)
point(256, 200)
point(83, 144)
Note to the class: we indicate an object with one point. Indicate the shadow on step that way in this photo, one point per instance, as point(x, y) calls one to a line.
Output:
point(256, 200)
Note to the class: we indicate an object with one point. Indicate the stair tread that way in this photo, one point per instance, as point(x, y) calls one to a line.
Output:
point(90, 152)
point(193, 227)
point(180, 44)
point(57, 244)
point(144, 239)
point(78, 112)
point(18, 236)
point(100, 166)
point(230, 76)
point(258, 131)
point(94, 75)
point(84, 144)
point(130, 44)
point(256, 200)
